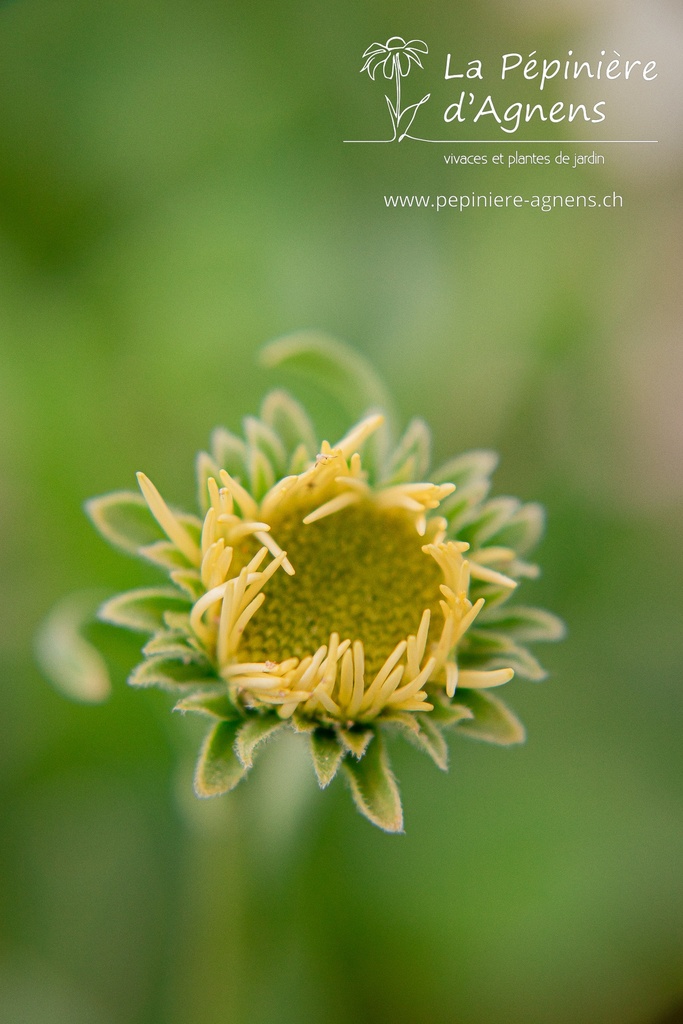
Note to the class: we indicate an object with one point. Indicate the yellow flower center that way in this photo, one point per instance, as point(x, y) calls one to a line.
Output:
point(360, 604)
point(361, 573)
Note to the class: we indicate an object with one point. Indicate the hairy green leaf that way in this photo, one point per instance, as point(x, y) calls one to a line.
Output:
point(219, 769)
point(423, 733)
point(485, 522)
point(494, 594)
point(493, 721)
point(206, 468)
point(229, 452)
point(142, 610)
point(327, 753)
point(302, 723)
point(466, 469)
point(171, 674)
point(447, 712)
point(410, 461)
point(457, 507)
point(355, 740)
point(213, 704)
point(189, 580)
point(290, 421)
point(174, 643)
point(374, 787)
point(430, 739)
point(522, 531)
point(487, 649)
point(165, 554)
point(522, 623)
point(300, 460)
point(261, 473)
point(253, 733)
point(261, 437)
point(124, 519)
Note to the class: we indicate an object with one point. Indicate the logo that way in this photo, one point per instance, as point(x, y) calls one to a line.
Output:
point(473, 98)
point(395, 58)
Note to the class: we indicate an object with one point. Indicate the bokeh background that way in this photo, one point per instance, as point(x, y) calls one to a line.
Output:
point(174, 193)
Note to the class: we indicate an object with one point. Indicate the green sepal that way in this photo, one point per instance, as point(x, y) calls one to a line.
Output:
point(142, 610)
point(261, 437)
point(171, 674)
point(219, 769)
point(302, 723)
point(457, 507)
point(494, 594)
point(165, 554)
point(193, 525)
point(355, 740)
point(178, 622)
point(301, 459)
point(253, 733)
point(206, 468)
point(465, 469)
point(213, 704)
point(190, 581)
point(523, 623)
point(229, 452)
point(410, 461)
point(493, 721)
point(446, 711)
point(374, 788)
point(290, 421)
point(522, 531)
point(495, 558)
point(174, 644)
point(487, 521)
point(421, 731)
point(430, 739)
point(261, 474)
point(327, 753)
point(518, 568)
point(486, 649)
point(124, 519)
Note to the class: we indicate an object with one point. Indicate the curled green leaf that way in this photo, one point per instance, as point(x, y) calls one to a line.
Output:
point(124, 519)
point(341, 372)
point(73, 665)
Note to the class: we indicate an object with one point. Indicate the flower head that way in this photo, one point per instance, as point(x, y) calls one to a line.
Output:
point(394, 57)
point(329, 590)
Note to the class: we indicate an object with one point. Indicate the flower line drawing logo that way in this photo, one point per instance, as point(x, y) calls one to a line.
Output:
point(395, 58)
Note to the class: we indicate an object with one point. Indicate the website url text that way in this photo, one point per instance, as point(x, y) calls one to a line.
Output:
point(490, 200)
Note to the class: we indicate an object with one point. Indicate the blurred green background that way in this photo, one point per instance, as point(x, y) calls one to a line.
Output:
point(173, 193)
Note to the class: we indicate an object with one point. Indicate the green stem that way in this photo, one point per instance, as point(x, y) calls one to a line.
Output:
point(246, 860)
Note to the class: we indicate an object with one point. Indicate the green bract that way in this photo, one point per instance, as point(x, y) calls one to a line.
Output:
point(340, 590)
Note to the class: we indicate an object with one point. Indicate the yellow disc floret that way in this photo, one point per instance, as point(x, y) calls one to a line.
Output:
point(360, 605)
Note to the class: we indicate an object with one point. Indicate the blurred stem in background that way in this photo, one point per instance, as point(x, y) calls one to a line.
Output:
point(241, 952)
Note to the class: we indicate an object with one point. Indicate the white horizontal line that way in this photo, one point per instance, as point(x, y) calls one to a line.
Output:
point(518, 142)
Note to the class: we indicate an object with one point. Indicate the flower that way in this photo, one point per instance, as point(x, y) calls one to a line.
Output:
point(333, 590)
point(394, 57)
